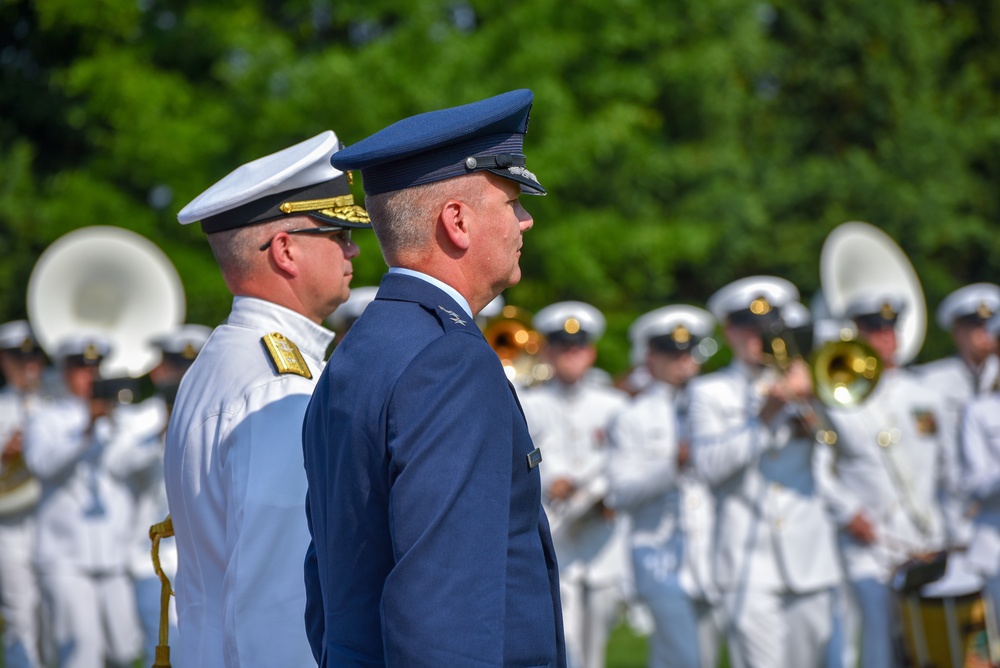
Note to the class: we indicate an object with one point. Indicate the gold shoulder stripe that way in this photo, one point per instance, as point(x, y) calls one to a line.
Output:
point(285, 355)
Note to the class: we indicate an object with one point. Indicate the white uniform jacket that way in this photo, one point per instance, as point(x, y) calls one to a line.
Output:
point(981, 478)
point(896, 462)
point(84, 517)
point(958, 383)
point(772, 530)
point(136, 455)
point(671, 511)
point(569, 425)
point(236, 487)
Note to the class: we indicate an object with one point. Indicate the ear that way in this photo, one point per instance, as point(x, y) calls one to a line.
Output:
point(455, 218)
point(282, 253)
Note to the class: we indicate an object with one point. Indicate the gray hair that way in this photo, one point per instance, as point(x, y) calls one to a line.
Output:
point(403, 220)
point(238, 250)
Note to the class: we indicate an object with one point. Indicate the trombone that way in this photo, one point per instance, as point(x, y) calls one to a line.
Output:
point(844, 372)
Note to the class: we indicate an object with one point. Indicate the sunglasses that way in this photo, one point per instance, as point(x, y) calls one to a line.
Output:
point(338, 233)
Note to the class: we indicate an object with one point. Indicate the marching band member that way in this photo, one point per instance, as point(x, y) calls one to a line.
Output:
point(136, 456)
point(21, 362)
point(974, 367)
point(981, 481)
point(670, 510)
point(280, 230)
point(775, 561)
point(84, 518)
point(568, 418)
point(892, 480)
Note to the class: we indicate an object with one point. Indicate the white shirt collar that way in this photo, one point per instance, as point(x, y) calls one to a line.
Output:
point(311, 338)
point(452, 292)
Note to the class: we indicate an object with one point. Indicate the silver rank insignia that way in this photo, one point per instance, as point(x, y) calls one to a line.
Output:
point(534, 458)
point(454, 316)
point(285, 355)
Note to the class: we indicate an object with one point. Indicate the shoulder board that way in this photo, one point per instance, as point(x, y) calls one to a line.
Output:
point(285, 355)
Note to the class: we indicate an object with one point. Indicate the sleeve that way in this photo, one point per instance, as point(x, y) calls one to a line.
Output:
point(450, 430)
point(950, 493)
point(56, 439)
point(135, 445)
point(266, 529)
point(980, 465)
point(720, 450)
point(842, 504)
point(639, 470)
point(315, 619)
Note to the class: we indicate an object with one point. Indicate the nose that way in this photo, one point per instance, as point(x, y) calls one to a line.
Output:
point(527, 222)
point(351, 249)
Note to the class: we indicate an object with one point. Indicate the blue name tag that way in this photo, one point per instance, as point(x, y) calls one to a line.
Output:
point(534, 458)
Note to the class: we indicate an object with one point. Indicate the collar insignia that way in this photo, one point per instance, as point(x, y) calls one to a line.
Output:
point(454, 316)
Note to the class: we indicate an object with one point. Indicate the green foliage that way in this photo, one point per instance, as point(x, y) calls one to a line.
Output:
point(685, 144)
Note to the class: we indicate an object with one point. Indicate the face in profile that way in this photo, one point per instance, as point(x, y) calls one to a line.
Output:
point(500, 223)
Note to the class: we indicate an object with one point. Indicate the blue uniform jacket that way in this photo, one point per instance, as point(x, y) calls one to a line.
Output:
point(429, 543)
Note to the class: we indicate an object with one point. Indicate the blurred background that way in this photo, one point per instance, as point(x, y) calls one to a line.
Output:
point(684, 143)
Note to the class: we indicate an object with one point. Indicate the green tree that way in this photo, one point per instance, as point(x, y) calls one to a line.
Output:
point(685, 144)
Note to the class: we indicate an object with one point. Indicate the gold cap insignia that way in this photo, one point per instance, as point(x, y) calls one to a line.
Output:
point(342, 207)
point(90, 353)
point(760, 306)
point(571, 326)
point(887, 312)
point(681, 334)
point(27, 345)
point(984, 311)
point(189, 353)
point(285, 355)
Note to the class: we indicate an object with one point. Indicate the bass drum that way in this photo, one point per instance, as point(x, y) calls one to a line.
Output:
point(948, 622)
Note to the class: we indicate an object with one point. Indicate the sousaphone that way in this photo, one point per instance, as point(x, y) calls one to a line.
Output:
point(108, 280)
point(858, 258)
point(97, 278)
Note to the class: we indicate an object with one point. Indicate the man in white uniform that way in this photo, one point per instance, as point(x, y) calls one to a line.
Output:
point(671, 511)
point(893, 483)
point(280, 231)
point(568, 418)
point(775, 557)
point(981, 480)
point(974, 367)
point(137, 457)
point(21, 362)
point(84, 518)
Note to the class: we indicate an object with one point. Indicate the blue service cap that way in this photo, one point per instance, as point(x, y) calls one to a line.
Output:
point(486, 135)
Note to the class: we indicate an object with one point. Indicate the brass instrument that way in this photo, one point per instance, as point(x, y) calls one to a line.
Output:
point(108, 280)
point(858, 258)
point(843, 374)
point(518, 346)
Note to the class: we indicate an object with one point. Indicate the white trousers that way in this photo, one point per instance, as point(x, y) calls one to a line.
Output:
point(778, 630)
point(872, 613)
point(20, 600)
point(92, 618)
point(677, 618)
point(589, 613)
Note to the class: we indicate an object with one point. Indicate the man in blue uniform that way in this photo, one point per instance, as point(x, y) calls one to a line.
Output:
point(429, 543)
